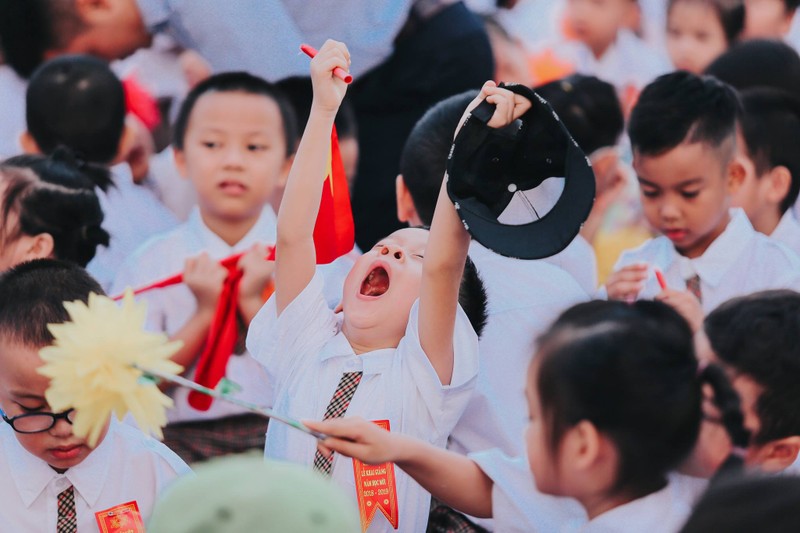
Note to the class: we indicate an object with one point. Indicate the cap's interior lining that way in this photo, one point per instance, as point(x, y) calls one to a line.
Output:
point(533, 204)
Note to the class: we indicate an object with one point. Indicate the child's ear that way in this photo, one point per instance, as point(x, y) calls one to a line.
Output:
point(736, 175)
point(406, 211)
point(777, 455)
point(126, 141)
point(28, 144)
point(39, 246)
point(180, 161)
point(584, 445)
point(779, 182)
point(89, 10)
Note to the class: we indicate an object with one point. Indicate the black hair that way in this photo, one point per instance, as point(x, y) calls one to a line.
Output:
point(31, 27)
point(769, 504)
point(759, 63)
point(54, 195)
point(630, 370)
point(683, 107)
point(472, 297)
point(299, 91)
point(76, 101)
point(729, 12)
point(756, 336)
point(588, 107)
point(237, 82)
point(32, 295)
point(424, 158)
point(771, 128)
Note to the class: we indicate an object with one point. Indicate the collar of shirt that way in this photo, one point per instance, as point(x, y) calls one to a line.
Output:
point(374, 362)
point(31, 475)
point(721, 255)
point(155, 14)
point(788, 229)
point(262, 232)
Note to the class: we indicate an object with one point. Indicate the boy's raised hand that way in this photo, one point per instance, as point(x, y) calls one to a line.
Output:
point(328, 89)
point(509, 106)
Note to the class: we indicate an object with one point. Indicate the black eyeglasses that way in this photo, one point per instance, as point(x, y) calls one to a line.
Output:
point(38, 422)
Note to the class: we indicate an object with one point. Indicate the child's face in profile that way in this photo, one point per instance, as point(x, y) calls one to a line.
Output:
point(537, 440)
point(234, 153)
point(597, 22)
point(384, 283)
point(686, 193)
point(22, 392)
point(695, 36)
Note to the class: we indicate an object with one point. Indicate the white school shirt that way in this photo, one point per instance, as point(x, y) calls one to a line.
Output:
point(305, 354)
point(519, 507)
point(788, 232)
point(126, 466)
point(131, 215)
point(740, 261)
point(524, 298)
point(170, 308)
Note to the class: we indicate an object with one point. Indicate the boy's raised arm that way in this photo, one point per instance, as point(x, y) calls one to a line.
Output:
point(447, 249)
point(295, 258)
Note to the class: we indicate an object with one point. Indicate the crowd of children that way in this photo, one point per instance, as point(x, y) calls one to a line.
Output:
point(642, 378)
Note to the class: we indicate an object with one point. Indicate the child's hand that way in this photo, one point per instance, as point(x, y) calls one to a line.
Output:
point(205, 278)
point(626, 283)
point(257, 272)
point(357, 438)
point(509, 106)
point(328, 89)
point(685, 303)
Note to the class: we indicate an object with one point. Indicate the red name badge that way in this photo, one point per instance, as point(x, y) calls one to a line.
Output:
point(376, 489)
point(123, 518)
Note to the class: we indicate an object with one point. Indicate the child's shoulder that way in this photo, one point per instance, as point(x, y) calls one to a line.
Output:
point(142, 451)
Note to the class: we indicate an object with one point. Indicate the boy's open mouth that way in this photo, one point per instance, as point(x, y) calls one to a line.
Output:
point(376, 283)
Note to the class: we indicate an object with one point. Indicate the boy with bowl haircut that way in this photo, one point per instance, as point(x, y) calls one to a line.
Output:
point(53, 479)
point(683, 134)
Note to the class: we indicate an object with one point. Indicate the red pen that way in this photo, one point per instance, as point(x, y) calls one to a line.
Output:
point(661, 280)
point(310, 51)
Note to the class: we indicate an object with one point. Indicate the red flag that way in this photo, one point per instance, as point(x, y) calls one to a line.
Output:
point(334, 232)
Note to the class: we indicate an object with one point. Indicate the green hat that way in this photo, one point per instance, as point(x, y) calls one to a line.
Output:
point(246, 494)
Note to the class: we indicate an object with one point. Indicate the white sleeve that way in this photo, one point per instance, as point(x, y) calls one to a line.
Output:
point(445, 403)
point(281, 342)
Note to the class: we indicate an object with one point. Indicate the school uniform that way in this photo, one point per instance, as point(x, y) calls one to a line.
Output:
point(740, 261)
point(306, 355)
point(788, 232)
point(524, 298)
point(127, 466)
point(131, 215)
point(519, 507)
point(168, 309)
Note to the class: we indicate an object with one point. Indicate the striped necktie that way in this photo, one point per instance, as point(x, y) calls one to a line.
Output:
point(693, 286)
point(336, 409)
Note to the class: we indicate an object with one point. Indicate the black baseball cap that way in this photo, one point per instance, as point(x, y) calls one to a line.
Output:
point(524, 190)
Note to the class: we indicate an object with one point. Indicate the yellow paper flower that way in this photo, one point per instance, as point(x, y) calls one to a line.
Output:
point(91, 366)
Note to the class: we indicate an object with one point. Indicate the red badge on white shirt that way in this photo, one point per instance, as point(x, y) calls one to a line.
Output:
point(123, 518)
point(376, 489)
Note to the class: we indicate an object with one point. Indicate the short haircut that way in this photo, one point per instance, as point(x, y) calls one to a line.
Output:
point(588, 107)
point(299, 91)
point(766, 504)
point(683, 107)
point(32, 295)
point(76, 101)
point(472, 297)
point(31, 27)
point(759, 63)
point(771, 129)
point(730, 14)
point(236, 82)
point(756, 335)
point(630, 370)
point(423, 161)
point(57, 198)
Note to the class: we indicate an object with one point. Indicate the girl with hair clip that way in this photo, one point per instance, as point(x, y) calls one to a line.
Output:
point(49, 209)
point(615, 402)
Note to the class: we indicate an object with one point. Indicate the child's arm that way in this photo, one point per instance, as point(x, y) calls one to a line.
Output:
point(295, 256)
point(447, 248)
point(452, 478)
